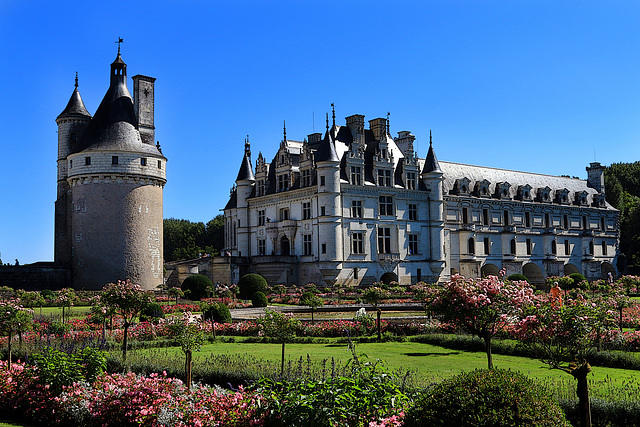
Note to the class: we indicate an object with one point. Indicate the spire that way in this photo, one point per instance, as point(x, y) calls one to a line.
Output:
point(333, 110)
point(118, 68)
point(326, 151)
point(284, 130)
point(75, 106)
point(388, 114)
point(327, 122)
point(431, 162)
point(246, 172)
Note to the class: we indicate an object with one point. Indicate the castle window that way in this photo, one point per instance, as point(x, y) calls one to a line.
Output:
point(261, 187)
point(554, 247)
point(487, 246)
point(485, 216)
point(547, 223)
point(413, 212)
point(527, 219)
point(604, 247)
point(384, 178)
point(306, 177)
point(505, 218)
point(306, 244)
point(73, 137)
point(386, 205)
point(413, 244)
point(591, 248)
point(529, 247)
point(324, 248)
point(567, 247)
point(356, 209)
point(565, 222)
point(261, 217)
point(114, 160)
point(283, 182)
point(384, 240)
point(87, 161)
point(70, 164)
point(411, 181)
point(322, 180)
point(513, 247)
point(143, 161)
point(323, 211)
point(356, 174)
point(357, 243)
point(159, 164)
point(471, 246)
point(465, 215)
point(585, 223)
point(262, 246)
point(602, 225)
point(284, 214)
point(306, 210)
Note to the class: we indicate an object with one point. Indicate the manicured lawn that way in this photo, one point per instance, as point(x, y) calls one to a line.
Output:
point(79, 312)
point(432, 363)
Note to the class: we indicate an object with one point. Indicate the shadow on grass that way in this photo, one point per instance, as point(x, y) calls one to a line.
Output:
point(452, 353)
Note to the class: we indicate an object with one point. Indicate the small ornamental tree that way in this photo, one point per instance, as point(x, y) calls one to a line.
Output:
point(374, 295)
point(562, 337)
point(190, 336)
point(13, 319)
point(278, 325)
point(31, 299)
point(312, 301)
point(128, 300)
point(482, 307)
point(176, 293)
point(65, 297)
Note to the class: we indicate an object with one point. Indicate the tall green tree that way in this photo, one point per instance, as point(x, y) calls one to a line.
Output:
point(184, 239)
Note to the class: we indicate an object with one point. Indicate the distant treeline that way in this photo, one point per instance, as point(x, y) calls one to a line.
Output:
point(184, 239)
point(622, 187)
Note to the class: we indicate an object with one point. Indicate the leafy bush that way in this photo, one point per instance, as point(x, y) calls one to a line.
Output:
point(517, 277)
point(216, 312)
point(59, 369)
point(152, 311)
point(259, 299)
point(197, 285)
point(251, 283)
point(494, 397)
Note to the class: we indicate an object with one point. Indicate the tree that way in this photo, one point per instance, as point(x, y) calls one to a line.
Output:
point(482, 307)
point(191, 337)
point(31, 299)
point(196, 285)
point(65, 297)
point(13, 319)
point(251, 283)
point(312, 301)
point(176, 293)
point(128, 300)
point(278, 325)
point(563, 334)
point(374, 295)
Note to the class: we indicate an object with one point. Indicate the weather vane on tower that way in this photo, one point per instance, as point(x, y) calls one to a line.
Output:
point(119, 41)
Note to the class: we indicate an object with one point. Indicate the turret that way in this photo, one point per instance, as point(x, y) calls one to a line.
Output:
point(245, 182)
point(432, 178)
point(329, 206)
point(595, 177)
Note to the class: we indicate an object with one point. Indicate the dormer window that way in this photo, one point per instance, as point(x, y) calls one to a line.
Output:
point(503, 190)
point(524, 192)
point(482, 188)
point(283, 182)
point(599, 200)
point(411, 181)
point(384, 177)
point(544, 194)
point(562, 196)
point(581, 198)
point(462, 186)
point(356, 175)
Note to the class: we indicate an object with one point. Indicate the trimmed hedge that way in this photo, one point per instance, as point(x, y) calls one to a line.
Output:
point(218, 312)
point(495, 397)
point(197, 285)
point(259, 299)
point(251, 283)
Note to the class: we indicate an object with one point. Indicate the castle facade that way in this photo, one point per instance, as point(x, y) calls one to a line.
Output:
point(356, 206)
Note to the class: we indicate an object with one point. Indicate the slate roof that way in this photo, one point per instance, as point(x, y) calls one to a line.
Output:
point(75, 106)
point(245, 173)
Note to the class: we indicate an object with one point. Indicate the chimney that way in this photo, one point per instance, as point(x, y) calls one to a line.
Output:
point(404, 141)
point(314, 138)
point(595, 178)
point(143, 105)
point(378, 127)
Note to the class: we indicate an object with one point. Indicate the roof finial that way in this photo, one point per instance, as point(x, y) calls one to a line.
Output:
point(388, 114)
point(430, 138)
point(76, 80)
point(119, 41)
point(327, 122)
point(284, 129)
point(247, 147)
point(333, 114)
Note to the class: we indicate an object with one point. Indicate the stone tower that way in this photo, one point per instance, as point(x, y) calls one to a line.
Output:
point(110, 182)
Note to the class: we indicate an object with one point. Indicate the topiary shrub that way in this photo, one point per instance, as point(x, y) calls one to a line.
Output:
point(495, 397)
point(197, 285)
point(259, 299)
point(151, 312)
point(251, 283)
point(517, 277)
point(578, 281)
point(216, 312)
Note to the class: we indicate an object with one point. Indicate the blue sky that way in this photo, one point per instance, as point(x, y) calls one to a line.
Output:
point(540, 86)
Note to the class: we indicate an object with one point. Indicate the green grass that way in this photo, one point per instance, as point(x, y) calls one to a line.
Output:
point(79, 312)
point(430, 363)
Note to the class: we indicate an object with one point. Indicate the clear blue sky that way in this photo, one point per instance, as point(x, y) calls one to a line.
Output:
point(541, 86)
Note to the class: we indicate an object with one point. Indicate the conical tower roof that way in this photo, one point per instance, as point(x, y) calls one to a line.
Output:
point(246, 171)
point(327, 151)
point(431, 162)
point(75, 106)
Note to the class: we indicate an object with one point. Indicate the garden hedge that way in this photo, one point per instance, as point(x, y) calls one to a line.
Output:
point(251, 283)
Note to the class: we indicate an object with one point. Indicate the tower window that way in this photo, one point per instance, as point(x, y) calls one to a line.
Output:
point(357, 243)
point(413, 212)
point(114, 160)
point(87, 161)
point(554, 247)
point(159, 164)
point(487, 246)
point(322, 180)
point(529, 247)
point(413, 244)
point(143, 161)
